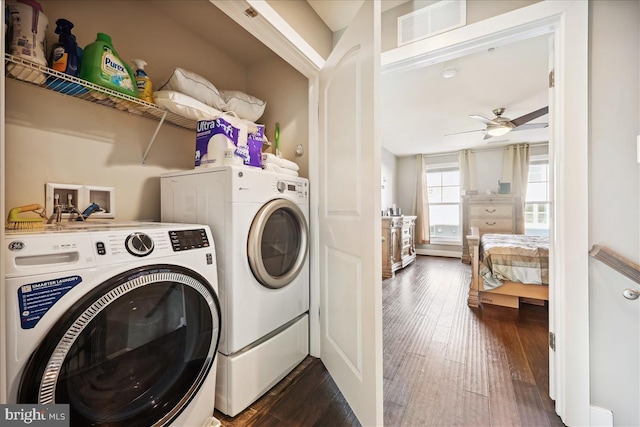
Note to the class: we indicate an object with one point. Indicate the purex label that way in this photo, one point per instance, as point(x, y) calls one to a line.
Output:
point(35, 299)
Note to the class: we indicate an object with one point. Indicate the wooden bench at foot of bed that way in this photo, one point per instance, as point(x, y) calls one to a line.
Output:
point(508, 294)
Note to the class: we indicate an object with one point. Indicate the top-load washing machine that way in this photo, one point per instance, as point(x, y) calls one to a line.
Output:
point(259, 222)
point(121, 322)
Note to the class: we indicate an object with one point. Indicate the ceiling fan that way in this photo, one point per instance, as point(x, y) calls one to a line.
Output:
point(500, 125)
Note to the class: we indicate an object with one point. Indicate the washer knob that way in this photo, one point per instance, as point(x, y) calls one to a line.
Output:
point(281, 186)
point(139, 244)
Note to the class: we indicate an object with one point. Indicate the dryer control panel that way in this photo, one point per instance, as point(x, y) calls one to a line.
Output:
point(292, 188)
point(183, 240)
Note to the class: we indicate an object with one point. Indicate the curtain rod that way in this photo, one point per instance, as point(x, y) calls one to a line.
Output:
point(477, 150)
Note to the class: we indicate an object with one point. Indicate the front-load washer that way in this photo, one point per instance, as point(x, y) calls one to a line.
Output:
point(121, 322)
point(259, 222)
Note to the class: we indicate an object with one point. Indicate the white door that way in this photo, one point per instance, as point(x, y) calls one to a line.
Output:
point(349, 199)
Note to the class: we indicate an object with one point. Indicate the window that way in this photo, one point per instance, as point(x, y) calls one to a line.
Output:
point(443, 186)
point(536, 208)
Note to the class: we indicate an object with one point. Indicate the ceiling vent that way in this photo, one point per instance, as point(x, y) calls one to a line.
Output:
point(437, 18)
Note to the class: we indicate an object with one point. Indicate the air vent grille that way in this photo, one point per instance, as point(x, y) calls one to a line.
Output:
point(437, 18)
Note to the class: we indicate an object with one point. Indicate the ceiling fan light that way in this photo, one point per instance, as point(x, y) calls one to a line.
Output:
point(498, 130)
point(449, 72)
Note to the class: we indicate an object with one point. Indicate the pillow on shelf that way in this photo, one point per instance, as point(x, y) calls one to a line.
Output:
point(195, 86)
point(184, 105)
point(245, 106)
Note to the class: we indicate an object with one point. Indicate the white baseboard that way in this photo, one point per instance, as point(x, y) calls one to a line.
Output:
point(600, 417)
point(439, 252)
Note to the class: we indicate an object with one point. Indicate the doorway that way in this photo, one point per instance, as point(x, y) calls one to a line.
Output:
point(568, 315)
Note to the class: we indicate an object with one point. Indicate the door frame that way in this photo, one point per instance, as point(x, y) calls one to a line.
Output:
point(567, 20)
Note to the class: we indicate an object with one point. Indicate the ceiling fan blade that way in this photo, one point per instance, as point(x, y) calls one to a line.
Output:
point(466, 131)
point(531, 126)
point(484, 120)
point(528, 117)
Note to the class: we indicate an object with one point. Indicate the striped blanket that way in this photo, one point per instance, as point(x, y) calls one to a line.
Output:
point(514, 257)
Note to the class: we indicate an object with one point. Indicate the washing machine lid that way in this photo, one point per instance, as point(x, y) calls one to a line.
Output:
point(278, 243)
point(134, 351)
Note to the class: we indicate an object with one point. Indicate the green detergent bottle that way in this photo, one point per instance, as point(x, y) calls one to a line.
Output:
point(102, 65)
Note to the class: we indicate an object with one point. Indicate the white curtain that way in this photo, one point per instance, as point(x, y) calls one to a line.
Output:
point(467, 164)
point(421, 203)
point(515, 170)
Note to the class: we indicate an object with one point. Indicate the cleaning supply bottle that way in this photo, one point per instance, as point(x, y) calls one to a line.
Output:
point(102, 65)
point(26, 39)
point(64, 53)
point(143, 81)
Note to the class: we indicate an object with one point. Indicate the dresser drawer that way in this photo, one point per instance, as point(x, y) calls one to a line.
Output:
point(492, 225)
point(490, 211)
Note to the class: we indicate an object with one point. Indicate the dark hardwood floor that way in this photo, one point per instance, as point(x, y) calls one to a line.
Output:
point(444, 363)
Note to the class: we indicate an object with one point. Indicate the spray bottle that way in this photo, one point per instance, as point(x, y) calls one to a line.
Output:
point(143, 81)
point(65, 53)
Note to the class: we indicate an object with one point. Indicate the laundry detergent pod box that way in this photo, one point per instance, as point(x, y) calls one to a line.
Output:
point(220, 142)
point(254, 145)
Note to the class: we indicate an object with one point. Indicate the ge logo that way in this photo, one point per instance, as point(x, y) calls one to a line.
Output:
point(16, 246)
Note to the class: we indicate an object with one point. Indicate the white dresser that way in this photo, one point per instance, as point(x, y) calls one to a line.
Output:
point(398, 243)
point(494, 213)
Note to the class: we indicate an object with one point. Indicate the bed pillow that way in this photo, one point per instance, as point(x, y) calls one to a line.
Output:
point(195, 86)
point(184, 105)
point(245, 106)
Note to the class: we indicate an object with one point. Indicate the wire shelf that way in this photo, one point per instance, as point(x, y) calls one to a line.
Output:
point(38, 75)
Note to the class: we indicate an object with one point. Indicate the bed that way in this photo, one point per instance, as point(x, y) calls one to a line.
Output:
point(508, 268)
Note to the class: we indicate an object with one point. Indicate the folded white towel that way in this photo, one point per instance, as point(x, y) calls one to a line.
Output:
point(277, 169)
point(268, 158)
point(288, 164)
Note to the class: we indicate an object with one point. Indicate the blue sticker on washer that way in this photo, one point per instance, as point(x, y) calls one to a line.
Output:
point(35, 299)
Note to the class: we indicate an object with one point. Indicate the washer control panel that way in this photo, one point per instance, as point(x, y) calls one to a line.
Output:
point(292, 188)
point(183, 240)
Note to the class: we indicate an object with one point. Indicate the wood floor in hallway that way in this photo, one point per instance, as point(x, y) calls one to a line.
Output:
point(444, 363)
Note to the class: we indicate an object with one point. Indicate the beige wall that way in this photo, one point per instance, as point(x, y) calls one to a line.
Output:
point(302, 18)
point(288, 92)
point(53, 138)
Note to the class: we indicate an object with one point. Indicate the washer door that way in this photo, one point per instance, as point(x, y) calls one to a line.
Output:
point(133, 352)
point(278, 242)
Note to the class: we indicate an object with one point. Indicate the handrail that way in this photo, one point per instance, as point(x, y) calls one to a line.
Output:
point(616, 261)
